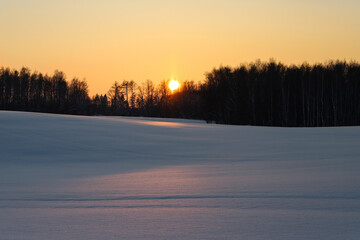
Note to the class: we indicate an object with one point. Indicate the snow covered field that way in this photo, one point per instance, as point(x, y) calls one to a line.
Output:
point(68, 177)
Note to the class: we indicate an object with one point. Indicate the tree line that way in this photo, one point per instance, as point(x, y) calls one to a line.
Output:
point(273, 94)
point(260, 93)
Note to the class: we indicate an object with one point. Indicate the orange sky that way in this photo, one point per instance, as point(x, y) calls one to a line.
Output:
point(108, 40)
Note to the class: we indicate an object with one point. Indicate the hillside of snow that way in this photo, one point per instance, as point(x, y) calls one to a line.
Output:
point(76, 177)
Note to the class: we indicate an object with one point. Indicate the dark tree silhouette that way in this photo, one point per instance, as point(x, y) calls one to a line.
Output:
point(78, 97)
point(266, 94)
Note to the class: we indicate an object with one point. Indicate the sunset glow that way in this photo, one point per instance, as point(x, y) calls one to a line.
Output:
point(104, 41)
point(174, 85)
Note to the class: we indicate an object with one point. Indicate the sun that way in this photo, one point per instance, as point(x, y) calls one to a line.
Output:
point(174, 85)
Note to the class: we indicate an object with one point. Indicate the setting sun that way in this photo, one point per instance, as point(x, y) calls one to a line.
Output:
point(174, 85)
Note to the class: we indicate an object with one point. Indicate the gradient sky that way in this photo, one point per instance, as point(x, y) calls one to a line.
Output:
point(108, 40)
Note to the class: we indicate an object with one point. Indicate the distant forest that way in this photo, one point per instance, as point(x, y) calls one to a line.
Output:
point(260, 93)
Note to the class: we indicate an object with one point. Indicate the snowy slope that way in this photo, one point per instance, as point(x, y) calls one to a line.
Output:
point(68, 177)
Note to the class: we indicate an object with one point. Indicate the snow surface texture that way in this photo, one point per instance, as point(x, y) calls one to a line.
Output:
point(67, 177)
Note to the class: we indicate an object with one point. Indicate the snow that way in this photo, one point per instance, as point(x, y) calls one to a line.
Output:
point(76, 177)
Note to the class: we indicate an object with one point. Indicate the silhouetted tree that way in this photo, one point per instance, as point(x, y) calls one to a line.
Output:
point(78, 99)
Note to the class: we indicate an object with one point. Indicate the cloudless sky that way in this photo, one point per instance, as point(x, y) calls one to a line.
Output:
point(108, 40)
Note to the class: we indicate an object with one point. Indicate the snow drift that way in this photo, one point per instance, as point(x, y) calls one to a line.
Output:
point(75, 177)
